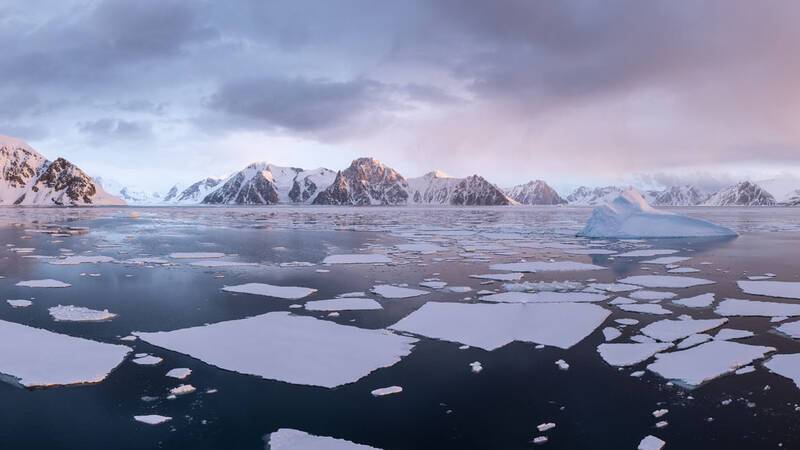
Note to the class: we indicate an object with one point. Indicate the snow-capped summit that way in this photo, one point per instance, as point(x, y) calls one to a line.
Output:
point(535, 192)
point(131, 195)
point(28, 178)
point(438, 188)
point(366, 182)
point(193, 194)
point(267, 184)
point(630, 216)
point(792, 199)
point(680, 196)
point(745, 193)
point(585, 196)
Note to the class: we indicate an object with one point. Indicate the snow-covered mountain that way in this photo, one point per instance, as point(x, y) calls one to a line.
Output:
point(28, 178)
point(366, 182)
point(792, 199)
point(267, 184)
point(586, 196)
point(782, 187)
point(438, 188)
point(132, 195)
point(193, 194)
point(535, 192)
point(745, 193)
point(680, 196)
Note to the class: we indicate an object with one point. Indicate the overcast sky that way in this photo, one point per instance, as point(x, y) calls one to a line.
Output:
point(153, 92)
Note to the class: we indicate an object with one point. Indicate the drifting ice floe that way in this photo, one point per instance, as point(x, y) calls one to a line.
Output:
point(611, 333)
point(269, 290)
point(211, 263)
point(651, 443)
point(699, 301)
point(179, 373)
point(288, 439)
point(43, 284)
point(671, 330)
point(389, 291)
point(19, 303)
point(645, 308)
point(706, 361)
point(693, 340)
point(390, 390)
point(147, 360)
point(421, 247)
point(539, 266)
point(629, 216)
point(70, 313)
point(737, 307)
point(786, 366)
point(37, 357)
point(667, 260)
point(780, 289)
point(499, 276)
point(651, 295)
point(727, 334)
point(791, 329)
point(493, 326)
point(646, 253)
point(75, 260)
point(622, 355)
point(665, 281)
point(152, 419)
point(368, 258)
point(294, 349)
point(543, 297)
point(196, 255)
point(343, 304)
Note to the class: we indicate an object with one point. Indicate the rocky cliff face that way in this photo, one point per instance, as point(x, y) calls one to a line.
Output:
point(366, 182)
point(585, 196)
point(438, 188)
point(742, 194)
point(535, 192)
point(680, 196)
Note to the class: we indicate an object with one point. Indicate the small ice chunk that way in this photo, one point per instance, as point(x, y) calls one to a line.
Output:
point(660, 413)
point(745, 370)
point(289, 439)
point(621, 355)
point(621, 301)
point(196, 255)
point(513, 276)
point(269, 290)
point(646, 308)
point(699, 301)
point(182, 389)
point(671, 330)
point(615, 287)
point(651, 443)
point(540, 440)
point(152, 419)
point(647, 253)
point(433, 284)
point(543, 427)
point(693, 340)
point(391, 390)
point(611, 333)
point(362, 258)
point(48, 283)
point(706, 361)
point(19, 303)
point(344, 304)
point(179, 373)
point(626, 321)
point(148, 360)
point(667, 260)
point(727, 334)
point(476, 367)
point(786, 366)
point(665, 281)
point(791, 329)
point(662, 424)
point(389, 291)
point(651, 295)
point(736, 307)
point(539, 266)
point(780, 289)
point(562, 365)
point(70, 313)
point(683, 270)
point(75, 260)
point(458, 289)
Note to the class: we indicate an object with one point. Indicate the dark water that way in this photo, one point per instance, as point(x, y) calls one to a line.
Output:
point(443, 405)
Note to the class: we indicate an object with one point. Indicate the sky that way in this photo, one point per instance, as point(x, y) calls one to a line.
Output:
point(158, 92)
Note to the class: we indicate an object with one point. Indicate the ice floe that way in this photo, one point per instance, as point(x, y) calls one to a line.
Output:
point(622, 355)
point(780, 289)
point(75, 260)
point(421, 247)
point(543, 297)
point(791, 329)
point(490, 326)
point(499, 276)
point(39, 358)
point(48, 283)
point(360, 258)
point(270, 290)
point(148, 360)
point(629, 216)
point(343, 304)
point(394, 292)
point(182, 389)
point(21, 303)
point(217, 263)
point(152, 419)
point(671, 330)
point(693, 340)
point(651, 295)
point(699, 301)
point(476, 367)
point(738, 307)
point(542, 266)
point(665, 281)
point(614, 287)
point(179, 373)
point(727, 334)
point(707, 361)
point(666, 260)
point(611, 333)
point(645, 308)
point(289, 439)
point(294, 349)
point(390, 390)
point(647, 253)
point(786, 366)
point(70, 313)
point(196, 255)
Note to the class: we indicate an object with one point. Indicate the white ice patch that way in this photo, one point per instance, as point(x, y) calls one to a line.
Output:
point(70, 313)
point(727, 334)
point(343, 304)
point(651, 442)
point(288, 439)
point(390, 390)
point(179, 373)
point(651, 295)
point(665, 281)
point(196, 255)
point(38, 358)
point(629, 216)
point(152, 419)
point(541, 266)
point(671, 330)
point(490, 326)
point(622, 355)
point(421, 247)
point(211, 263)
point(706, 361)
point(269, 290)
point(614, 287)
point(543, 297)
point(75, 260)
point(19, 303)
point(361, 258)
point(645, 308)
point(699, 301)
point(780, 289)
point(737, 307)
point(786, 366)
point(647, 253)
point(433, 284)
point(693, 340)
point(43, 284)
point(791, 329)
point(611, 333)
point(499, 276)
point(666, 260)
point(393, 292)
point(294, 349)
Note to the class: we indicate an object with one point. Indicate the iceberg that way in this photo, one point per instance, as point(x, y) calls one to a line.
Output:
point(630, 216)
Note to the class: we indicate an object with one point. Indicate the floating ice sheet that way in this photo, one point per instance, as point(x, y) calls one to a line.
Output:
point(389, 291)
point(37, 357)
point(541, 266)
point(421, 247)
point(499, 276)
point(622, 355)
point(780, 289)
point(196, 255)
point(645, 308)
point(738, 307)
point(152, 419)
point(343, 304)
point(543, 297)
point(43, 284)
point(791, 329)
point(216, 263)
point(70, 313)
point(651, 295)
point(288, 439)
point(294, 349)
point(492, 326)
point(666, 260)
point(699, 301)
point(665, 281)
point(75, 260)
point(671, 330)
point(270, 290)
point(707, 361)
point(361, 258)
point(786, 366)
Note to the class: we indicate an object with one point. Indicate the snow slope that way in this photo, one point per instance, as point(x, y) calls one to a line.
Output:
point(366, 182)
point(263, 183)
point(131, 194)
point(535, 192)
point(742, 194)
point(438, 188)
